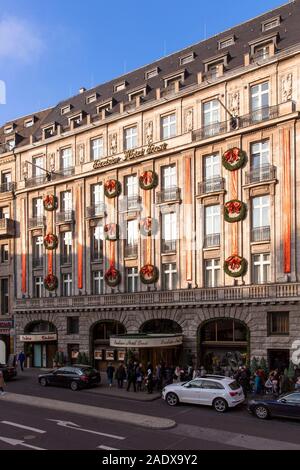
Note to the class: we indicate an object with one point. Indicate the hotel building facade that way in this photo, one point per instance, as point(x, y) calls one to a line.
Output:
point(173, 193)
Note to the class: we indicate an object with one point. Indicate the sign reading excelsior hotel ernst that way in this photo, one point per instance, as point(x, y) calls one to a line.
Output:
point(130, 155)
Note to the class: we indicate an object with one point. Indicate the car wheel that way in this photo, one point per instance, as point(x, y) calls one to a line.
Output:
point(261, 412)
point(220, 405)
point(172, 399)
point(43, 382)
point(74, 386)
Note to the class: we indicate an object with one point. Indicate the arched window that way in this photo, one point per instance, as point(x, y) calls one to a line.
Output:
point(163, 326)
point(223, 330)
point(40, 327)
point(103, 330)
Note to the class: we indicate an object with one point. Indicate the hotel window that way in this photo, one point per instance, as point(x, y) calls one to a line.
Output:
point(37, 251)
point(131, 243)
point(66, 201)
point(151, 73)
point(90, 99)
point(72, 325)
point(4, 253)
point(97, 236)
point(6, 181)
point(65, 109)
point(169, 276)
point(29, 123)
point(67, 284)
point(37, 207)
point(278, 323)
point(130, 138)
point(66, 248)
point(211, 167)
point(119, 87)
point(10, 144)
point(260, 154)
point(97, 282)
point(96, 148)
point(132, 279)
point(4, 212)
point(260, 101)
point(262, 52)
point(97, 195)
point(38, 287)
point(66, 159)
point(270, 24)
point(187, 59)
point(169, 177)
point(212, 226)
point(4, 296)
point(224, 43)
point(212, 272)
point(8, 129)
point(211, 113)
point(260, 218)
point(168, 126)
point(169, 232)
point(261, 268)
point(131, 186)
point(37, 168)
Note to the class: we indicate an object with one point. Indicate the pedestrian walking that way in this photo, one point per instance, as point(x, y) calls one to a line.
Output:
point(120, 375)
point(110, 374)
point(131, 376)
point(139, 377)
point(21, 359)
point(257, 383)
point(2, 383)
point(149, 379)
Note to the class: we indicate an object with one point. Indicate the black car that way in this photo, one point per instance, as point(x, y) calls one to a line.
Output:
point(75, 377)
point(9, 372)
point(286, 406)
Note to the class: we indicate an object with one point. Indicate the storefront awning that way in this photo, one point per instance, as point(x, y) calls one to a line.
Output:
point(145, 341)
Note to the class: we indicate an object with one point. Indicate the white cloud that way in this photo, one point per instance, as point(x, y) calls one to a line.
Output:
point(19, 40)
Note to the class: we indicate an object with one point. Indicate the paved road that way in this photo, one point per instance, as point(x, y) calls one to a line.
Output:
point(197, 427)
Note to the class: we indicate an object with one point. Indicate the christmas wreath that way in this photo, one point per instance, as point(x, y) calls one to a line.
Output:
point(235, 266)
point(50, 202)
point(148, 180)
point(234, 210)
point(112, 188)
point(234, 158)
point(50, 282)
point(50, 241)
point(148, 226)
point(112, 277)
point(149, 274)
point(111, 232)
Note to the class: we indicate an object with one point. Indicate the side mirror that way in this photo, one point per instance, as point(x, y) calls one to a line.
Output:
point(282, 400)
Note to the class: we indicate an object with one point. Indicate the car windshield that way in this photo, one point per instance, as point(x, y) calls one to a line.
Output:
point(234, 385)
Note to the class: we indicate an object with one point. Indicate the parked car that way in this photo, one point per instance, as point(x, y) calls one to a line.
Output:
point(9, 372)
point(286, 406)
point(212, 390)
point(76, 377)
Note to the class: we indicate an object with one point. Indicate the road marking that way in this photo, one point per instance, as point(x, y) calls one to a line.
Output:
point(17, 442)
point(107, 448)
point(17, 425)
point(76, 427)
point(229, 438)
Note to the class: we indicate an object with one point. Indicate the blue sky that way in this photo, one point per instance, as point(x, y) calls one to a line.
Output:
point(48, 50)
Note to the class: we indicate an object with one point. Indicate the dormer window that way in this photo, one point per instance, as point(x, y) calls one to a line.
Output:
point(104, 107)
point(263, 48)
point(8, 129)
point(49, 131)
point(92, 98)
point(29, 122)
point(270, 24)
point(226, 42)
point(65, 109)
point(75, 119)
point(262, 52)
point(10, 144)
point(175, 77)
point(187, 58)
point(119, 87)
point(214, 67)
point(151, 73)
point(137, 93)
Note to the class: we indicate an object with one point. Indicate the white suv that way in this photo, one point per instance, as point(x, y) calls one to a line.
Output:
point(212, 390)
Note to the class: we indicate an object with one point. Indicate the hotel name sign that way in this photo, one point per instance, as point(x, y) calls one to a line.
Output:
point(150, 342)
point(130, 155)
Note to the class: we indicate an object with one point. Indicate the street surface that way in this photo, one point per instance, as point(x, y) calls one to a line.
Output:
point(24, 426)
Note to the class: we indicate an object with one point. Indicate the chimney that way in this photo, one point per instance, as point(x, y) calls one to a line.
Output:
point(82, 89)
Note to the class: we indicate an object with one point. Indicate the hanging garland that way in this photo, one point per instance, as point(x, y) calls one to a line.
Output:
point(50, 202)
point(51, 282)
point(148, 180)
point(234, 158)
point(149, 274)
point(148, 226)
point(111, 232)
point(112, 188)
point(51, 241)
point(235, 266)
point(234, 211)
point(112, 277)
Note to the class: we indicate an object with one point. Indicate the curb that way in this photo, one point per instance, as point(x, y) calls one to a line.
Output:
point(146, 421)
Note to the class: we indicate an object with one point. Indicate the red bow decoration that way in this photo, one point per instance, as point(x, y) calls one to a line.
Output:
point(148, 223)
point(112, 273)
point(48, 200)
point(234, 262)
point(110, 185)
point(110, 229)
point(147, 270)
point(147, 177)
point(50, 238)
point(232, 155)
point(50, 280)
point(233, 207)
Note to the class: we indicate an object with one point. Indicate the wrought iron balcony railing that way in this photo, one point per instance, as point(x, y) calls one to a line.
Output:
point(130, 251)
point(7, 187)
point(261, 234)
point(259, 115)
point(261, 173)
point(211, 185)
point(65, 259)
point(168, 195)
point(65, 216)
point(7, 227)
point(96, 210)
point(212, 240)
point(168, 246)
point(37, 262)
point(38, 221)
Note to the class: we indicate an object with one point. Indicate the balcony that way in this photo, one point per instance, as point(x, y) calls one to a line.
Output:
point(65, 259)
point(130, 251)
point(261, 234)
point(168, 195)
point(96, 210)
point(7, 228)
point(212, 130)
point(211, 185)
point(37, 262)
point(35, 222)
point(36, 181)
point(260, 174)
point(7, 187)
point(168, 246)
point(65, 217)
point(212, 240)
point(63, 173)
point(131, 204)
point(259, 115)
